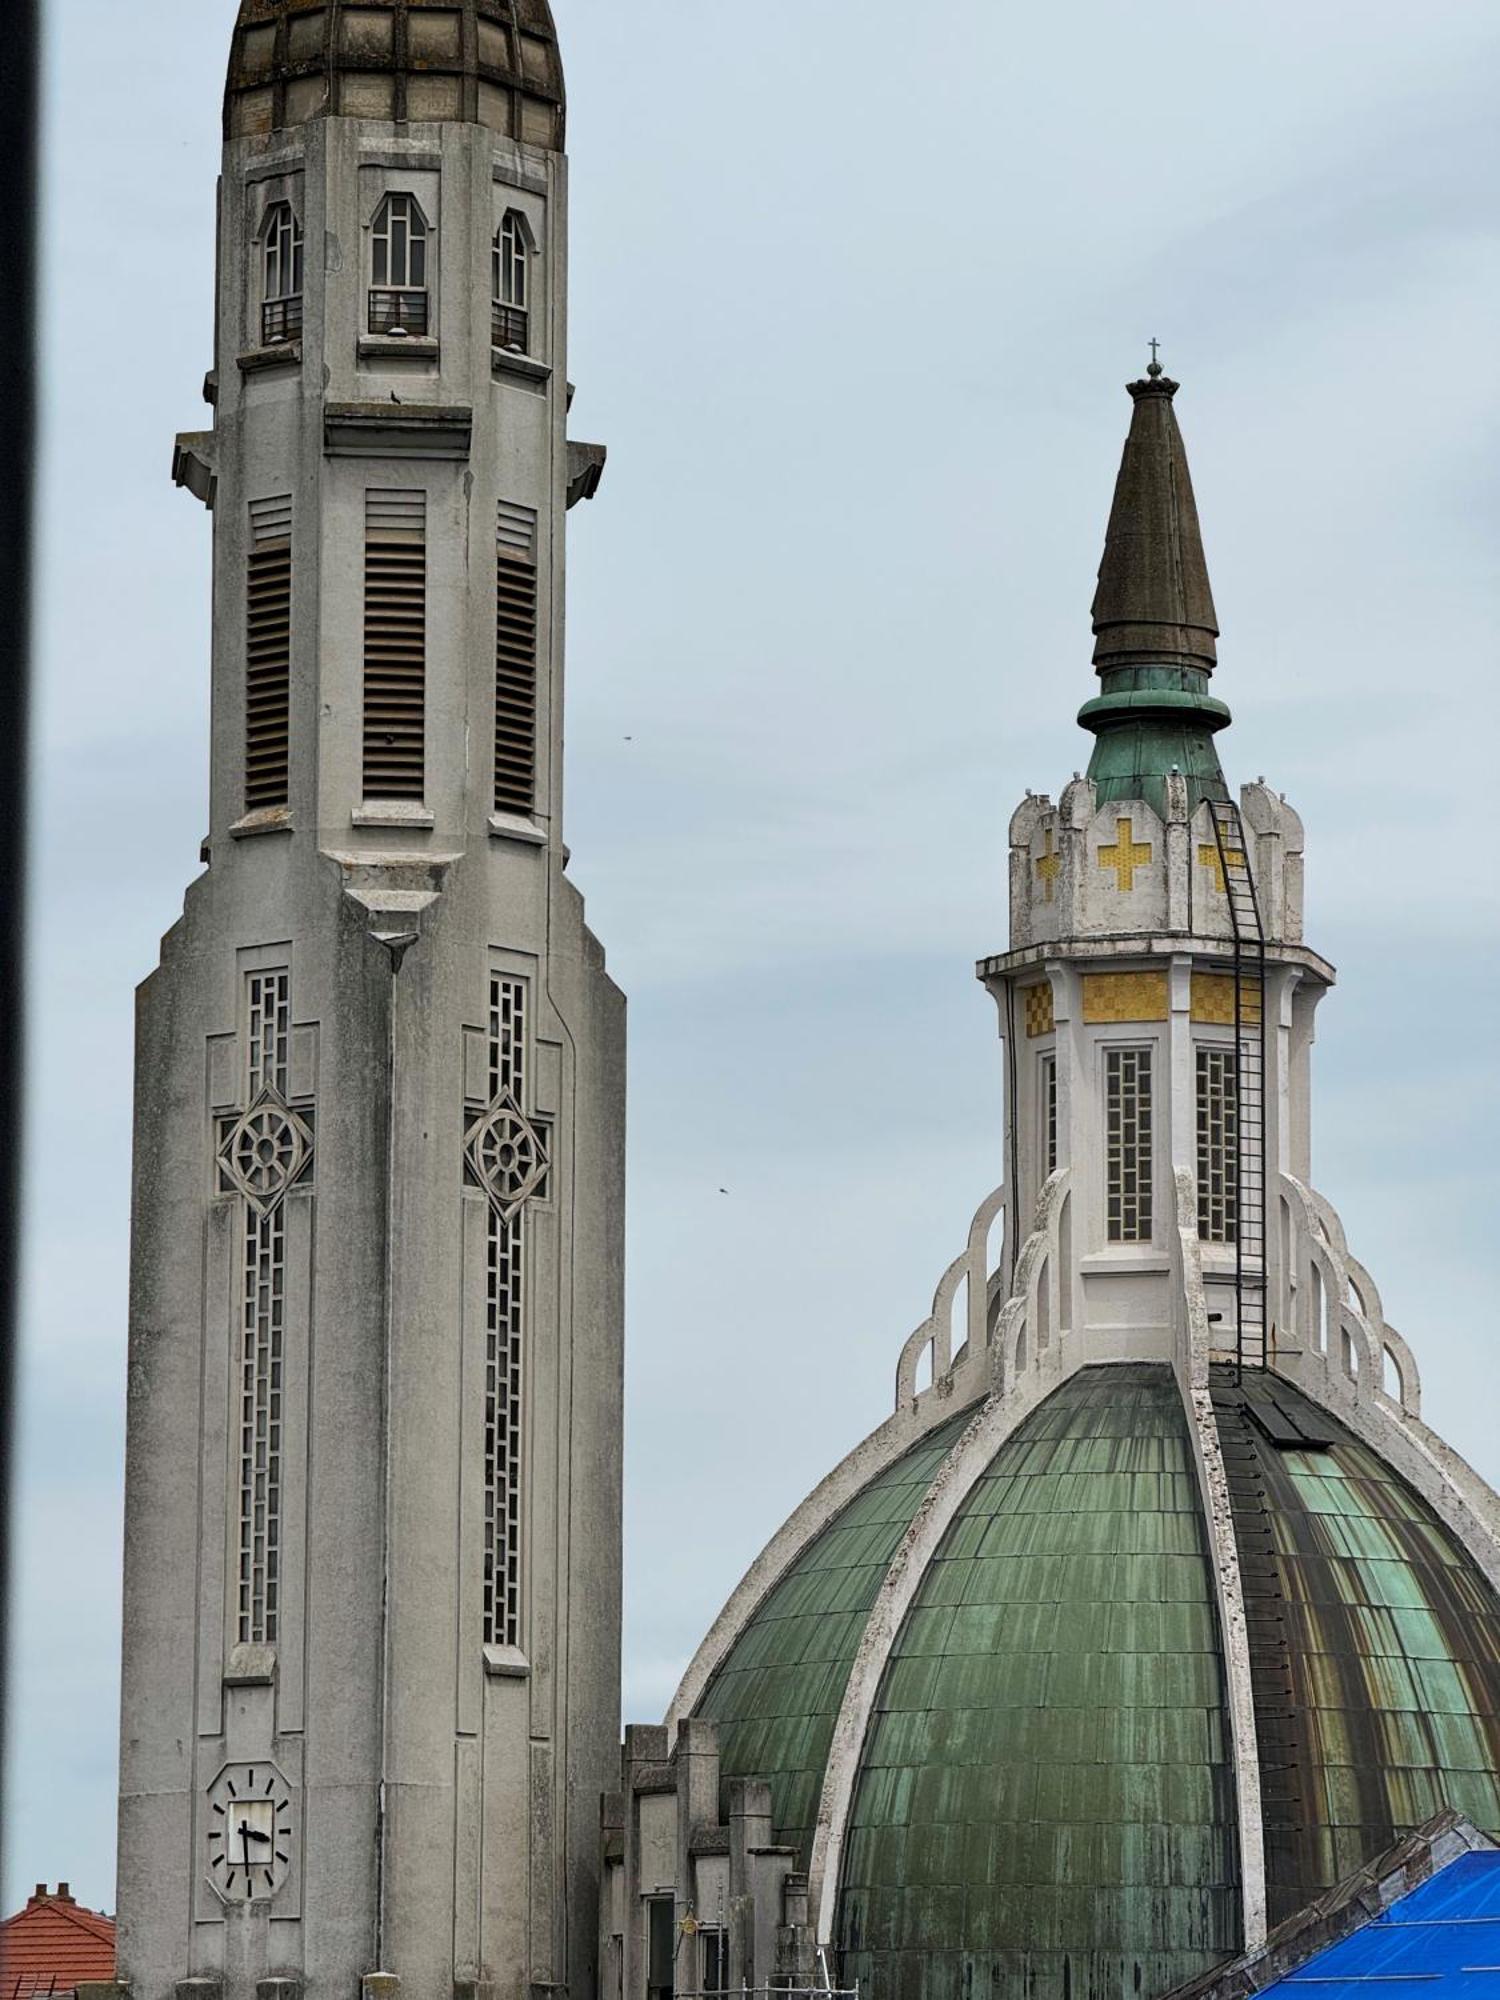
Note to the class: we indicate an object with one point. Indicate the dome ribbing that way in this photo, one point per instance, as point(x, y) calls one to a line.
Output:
point(1044, 1807)
point(486, 62)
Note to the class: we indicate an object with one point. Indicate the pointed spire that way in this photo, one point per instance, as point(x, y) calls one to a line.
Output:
point(1154, 620)
point(1154, 605)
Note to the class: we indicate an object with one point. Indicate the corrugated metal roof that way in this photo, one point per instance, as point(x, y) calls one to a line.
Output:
point(1045, 1808)
point(1442, 1940)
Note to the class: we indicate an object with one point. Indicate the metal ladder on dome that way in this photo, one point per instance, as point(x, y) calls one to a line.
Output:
point(1251, 1278)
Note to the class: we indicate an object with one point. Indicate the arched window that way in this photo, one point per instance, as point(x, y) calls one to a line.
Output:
point(281, 292)
point(398, 267)
point(512, 285)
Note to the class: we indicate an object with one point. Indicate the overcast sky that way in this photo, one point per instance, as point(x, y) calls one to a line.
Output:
point(856, 288)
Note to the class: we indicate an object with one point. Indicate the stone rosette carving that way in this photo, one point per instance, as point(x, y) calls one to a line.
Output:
point(506, 1155)
point(264, 1152)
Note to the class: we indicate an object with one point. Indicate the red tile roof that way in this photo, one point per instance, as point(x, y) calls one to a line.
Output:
point(52, 1944)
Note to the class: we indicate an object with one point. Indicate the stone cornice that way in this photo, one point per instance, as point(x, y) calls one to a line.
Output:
point(1152, 944)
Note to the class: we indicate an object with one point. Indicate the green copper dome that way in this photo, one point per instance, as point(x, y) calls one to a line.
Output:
point(776, 1696)
point(1045, 1807)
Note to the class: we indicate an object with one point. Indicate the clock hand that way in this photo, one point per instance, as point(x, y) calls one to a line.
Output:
point(254, 1833)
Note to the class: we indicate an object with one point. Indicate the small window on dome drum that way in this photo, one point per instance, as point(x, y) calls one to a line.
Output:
point(516, 608)
point(1128, 1147)
point(1049, 1114)
point(511, 322)
point(399, 298)
point(395, 718)
point(281, 294)
point(268, 655)
point(1218, 1146)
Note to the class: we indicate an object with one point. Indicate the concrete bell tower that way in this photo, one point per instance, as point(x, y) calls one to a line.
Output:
point(372, 1569)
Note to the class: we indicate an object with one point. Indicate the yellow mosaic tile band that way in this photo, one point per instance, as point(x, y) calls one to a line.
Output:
point(1048, 865)
point(1213, 1000)
point(1039, 1018)
point(1211, 859)
point(1124, 996)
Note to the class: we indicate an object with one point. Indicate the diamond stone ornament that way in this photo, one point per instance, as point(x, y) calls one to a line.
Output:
point(265, 1152)
point(507, 1155)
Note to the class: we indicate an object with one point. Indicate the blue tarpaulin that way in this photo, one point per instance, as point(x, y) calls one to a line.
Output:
point(1440, 1942)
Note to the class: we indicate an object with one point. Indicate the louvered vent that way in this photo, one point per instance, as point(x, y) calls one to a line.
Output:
point(395, 645)
point(268, 655)
point(515, 660)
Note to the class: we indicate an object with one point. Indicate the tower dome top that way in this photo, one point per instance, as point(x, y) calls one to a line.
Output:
point(486, 62)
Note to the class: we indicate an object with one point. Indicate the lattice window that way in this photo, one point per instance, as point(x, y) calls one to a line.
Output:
point(262, 1337)
point(1127, 1096)
point(1048, 1082)
point(1218, 1146)
point(262, 1359)
point(504, 1342)
point(515, 659)
point(270, 1041)
point(395, 718)
point(268, 654)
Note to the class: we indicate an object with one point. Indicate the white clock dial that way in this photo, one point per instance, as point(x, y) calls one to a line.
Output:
point(249, 1832)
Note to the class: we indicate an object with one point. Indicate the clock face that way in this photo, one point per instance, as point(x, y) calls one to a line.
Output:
point(249, 1832)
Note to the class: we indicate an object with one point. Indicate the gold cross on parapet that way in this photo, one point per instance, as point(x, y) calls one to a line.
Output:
point(1210, 857)
point(1126, 855)
point(1049, 867)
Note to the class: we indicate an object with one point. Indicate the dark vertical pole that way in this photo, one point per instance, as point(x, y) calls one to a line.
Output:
point(18, 121)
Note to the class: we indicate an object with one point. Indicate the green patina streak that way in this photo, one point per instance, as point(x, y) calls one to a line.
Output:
point(1045, 1807)
point(1149, 722)
point(776, 1697)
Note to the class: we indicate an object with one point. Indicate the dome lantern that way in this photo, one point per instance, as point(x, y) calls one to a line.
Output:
point(1153, 1611)
point(487, 62)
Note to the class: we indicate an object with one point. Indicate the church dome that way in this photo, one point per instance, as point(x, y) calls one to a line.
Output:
point(490, 62)
point(1043, 1800)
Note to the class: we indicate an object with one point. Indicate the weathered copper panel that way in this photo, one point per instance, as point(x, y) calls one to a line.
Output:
point(1375, 1647)
point(777, 1695)
point(1045, 1809)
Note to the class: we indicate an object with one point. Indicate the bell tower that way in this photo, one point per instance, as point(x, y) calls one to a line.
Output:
point(372, 1567)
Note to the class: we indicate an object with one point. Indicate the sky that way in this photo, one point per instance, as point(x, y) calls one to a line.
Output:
point(856, 288)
